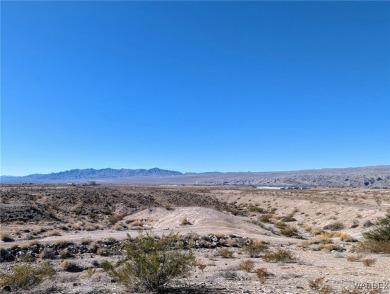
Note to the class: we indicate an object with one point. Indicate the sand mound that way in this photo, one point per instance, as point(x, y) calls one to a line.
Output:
point(200, 219)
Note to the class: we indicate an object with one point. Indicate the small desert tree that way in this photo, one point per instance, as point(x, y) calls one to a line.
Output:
point(381, 231)
point(151, 262)
point(378, 238)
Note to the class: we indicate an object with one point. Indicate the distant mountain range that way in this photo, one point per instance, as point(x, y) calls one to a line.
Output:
point(92, 174)
point(357, 177)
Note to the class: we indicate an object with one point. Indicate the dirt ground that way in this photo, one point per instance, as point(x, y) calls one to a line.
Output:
point(321, 228)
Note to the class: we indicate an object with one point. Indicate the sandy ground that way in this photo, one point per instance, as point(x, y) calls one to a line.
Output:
point(312, 208)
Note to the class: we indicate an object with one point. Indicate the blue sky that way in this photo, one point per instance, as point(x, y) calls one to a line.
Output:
point(194, 86)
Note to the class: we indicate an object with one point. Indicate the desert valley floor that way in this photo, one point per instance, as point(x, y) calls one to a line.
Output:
point(320, 230)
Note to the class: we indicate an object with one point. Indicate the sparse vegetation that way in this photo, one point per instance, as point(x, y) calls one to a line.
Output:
point(378, 239)
point(255, 247)
point(151, 262)
point(6, 237)
point(280, 255)
point(335, 226)
point(27, 276)
point(369, 261)
point(225, 253)
point(261, 274)
point(70, 266)
point(185, 222)
point(247, 265)
point(114, 218)
point(289, 231)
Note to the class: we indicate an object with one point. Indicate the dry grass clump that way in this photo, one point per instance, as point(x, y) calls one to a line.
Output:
point(247, 265)
point(289, 231)
point(373, 246)
point(70, 266)
point(256, 209)
point(319, 285)
point(225, 253)
point(114, 218)
point(26, 276)
point(369, 261)
point(185, 222)
point(262, 274)
point(316, 231)
point(267, 218)
point(91, 227)
point(54, 233)
point(332, 247)
point(255, 247)
point(355, 258)
point(335, 226)
point(322, 239)
point(201, 266)
point(137, 223)
point(289, 218)
point(6, 237)
point(280, 255)
point(347, 238)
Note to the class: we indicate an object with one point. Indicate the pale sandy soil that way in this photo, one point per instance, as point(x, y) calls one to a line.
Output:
point(313, 208)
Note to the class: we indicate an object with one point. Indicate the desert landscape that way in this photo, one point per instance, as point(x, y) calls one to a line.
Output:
point(244, 239)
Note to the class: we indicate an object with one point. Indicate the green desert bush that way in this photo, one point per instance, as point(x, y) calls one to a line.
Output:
point(247, 265)
point(381, 231)
point(280, 255)
point(255, 247)
point(378, 238)
point(26, 276)
point(150, 262)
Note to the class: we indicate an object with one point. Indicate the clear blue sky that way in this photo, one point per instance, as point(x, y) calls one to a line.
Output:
point(194, 86)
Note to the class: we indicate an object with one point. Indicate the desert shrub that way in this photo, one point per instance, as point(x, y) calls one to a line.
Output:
point(280, 255)
point(225, 253)
point(70, 266)
point(26, 276)
point(378, 238)
point(281, 225)
point(289, 231)
point(247, 265)
point(151, 262)
point(347, 238)
point(289, 218)
point(319, 285)
point(185, 222)
point(54, 233)
point(368, 224)
point(335, 226)
point(201, 266)
point(47, 253)
point(355, 258)
point(255, 247)
point(256, 209)
point(261, 274)
point(332, 247)
point(369, 261)
point(381, 231)
point(114, 218)
point(373, 246)
point(316, 231)
point(266, 218)
point(6, 237)
point(102, 251)
point(91, 227)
